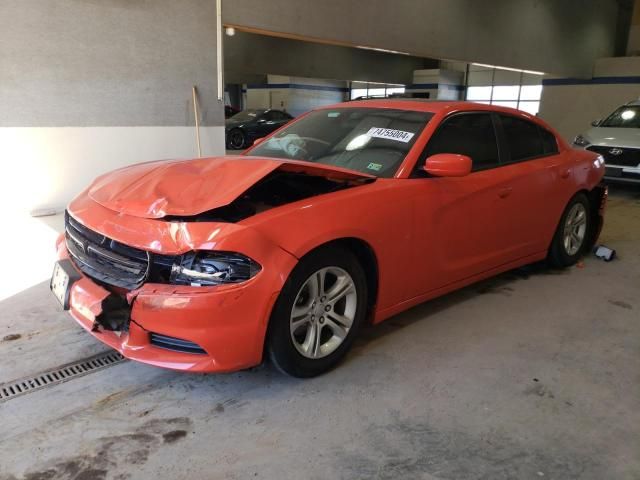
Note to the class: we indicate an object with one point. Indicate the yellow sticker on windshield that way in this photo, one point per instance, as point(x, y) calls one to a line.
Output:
point(390, 134)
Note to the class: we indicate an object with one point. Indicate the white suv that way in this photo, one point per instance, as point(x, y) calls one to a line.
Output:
point(617, 139)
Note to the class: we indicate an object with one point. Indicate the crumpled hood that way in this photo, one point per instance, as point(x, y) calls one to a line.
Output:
point(190, 187)
point(614, 137)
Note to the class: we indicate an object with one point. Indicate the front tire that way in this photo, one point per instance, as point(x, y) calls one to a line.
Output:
point(571, 237)
point(318, 313)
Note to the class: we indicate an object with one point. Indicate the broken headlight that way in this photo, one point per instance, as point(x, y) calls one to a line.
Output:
point(213, 268)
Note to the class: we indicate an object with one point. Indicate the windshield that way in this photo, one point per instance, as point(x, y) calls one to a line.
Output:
point(624, 117)
point(248, 115)
point(369, 140)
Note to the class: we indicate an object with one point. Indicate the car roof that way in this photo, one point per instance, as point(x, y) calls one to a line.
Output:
point(423, 105)
point(435, 106)
point(441, 108)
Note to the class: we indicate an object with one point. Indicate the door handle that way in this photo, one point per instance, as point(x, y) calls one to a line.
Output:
point(505, 192)
point(565, 173)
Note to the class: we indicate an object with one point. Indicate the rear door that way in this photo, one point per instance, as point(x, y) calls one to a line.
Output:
point(533, 172)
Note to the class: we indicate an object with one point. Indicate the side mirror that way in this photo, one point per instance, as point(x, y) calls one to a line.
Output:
point(448, 165)
point(596, 123)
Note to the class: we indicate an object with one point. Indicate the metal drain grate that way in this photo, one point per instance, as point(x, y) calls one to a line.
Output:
point(61, 374)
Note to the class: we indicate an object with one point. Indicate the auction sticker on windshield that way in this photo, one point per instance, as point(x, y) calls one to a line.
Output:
point(390, 134)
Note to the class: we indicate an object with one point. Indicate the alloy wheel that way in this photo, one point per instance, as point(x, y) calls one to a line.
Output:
point(575, 228)
point(323, 312)
point(236, 139)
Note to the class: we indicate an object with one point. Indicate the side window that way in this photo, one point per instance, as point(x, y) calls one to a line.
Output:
point(549, 142)
point(470, 134)
point(523, 138)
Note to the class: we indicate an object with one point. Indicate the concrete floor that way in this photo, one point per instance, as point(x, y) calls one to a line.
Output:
point(534, 374)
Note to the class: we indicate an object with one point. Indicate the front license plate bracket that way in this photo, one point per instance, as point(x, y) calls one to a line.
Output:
point(62, 279)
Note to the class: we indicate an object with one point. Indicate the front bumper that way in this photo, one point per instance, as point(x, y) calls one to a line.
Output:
point(615, 173)
point(227, 322)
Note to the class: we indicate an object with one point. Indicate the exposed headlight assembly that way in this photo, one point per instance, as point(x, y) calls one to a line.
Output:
point(213, 268)
point(580, 141)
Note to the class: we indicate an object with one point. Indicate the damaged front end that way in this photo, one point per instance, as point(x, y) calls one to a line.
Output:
point(115, 267)
point(123, 269)
point(115, 315)
point(280, 187)
point(188, 189)
point(147, 270)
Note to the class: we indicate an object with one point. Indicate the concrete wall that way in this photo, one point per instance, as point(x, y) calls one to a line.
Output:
point(88, 86)
point(247, 55)
point(570, 104)
point(439, 83)
point(294, 94)
point(312, 93)
point(552, 36)
point(633, 41)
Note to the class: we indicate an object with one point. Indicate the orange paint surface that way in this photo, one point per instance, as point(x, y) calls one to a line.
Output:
point(429, 236)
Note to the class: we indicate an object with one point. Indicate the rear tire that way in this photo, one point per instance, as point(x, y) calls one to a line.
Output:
point(318, 313)
point(572, 234)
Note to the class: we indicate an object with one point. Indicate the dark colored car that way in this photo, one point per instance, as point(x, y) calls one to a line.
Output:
point(230, 111)
point(245, 127)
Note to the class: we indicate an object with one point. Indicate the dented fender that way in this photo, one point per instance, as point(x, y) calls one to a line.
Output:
point(229, 322)
point(175, 238)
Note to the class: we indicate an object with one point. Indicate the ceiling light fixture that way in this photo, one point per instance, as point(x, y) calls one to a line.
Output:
point(364, 82)
point(532, 72)
point(383, 50)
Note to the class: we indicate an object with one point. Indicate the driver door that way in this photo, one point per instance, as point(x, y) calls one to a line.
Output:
point(457, 221)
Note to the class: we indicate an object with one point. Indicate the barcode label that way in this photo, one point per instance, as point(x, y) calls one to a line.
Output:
point(390, 134)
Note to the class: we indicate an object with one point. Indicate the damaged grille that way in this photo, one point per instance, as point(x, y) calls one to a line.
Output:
point(111, 262)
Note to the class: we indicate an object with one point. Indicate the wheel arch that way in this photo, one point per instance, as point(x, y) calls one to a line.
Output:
point(583, 191)
point(368, 259)
point(366, 255)
point(596, 197)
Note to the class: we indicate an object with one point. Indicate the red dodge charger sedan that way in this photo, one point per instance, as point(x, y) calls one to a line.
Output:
point(351, 213)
